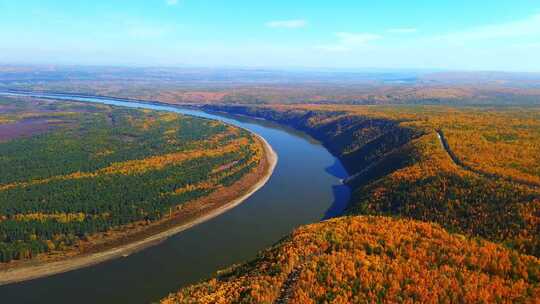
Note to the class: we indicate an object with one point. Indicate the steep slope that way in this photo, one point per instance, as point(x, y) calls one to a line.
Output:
point(398, 166)
point(375, 259)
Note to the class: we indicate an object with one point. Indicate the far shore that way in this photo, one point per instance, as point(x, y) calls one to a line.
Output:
point(160, 232)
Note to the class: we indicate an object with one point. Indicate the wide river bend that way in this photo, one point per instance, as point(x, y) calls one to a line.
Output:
point(304, 188)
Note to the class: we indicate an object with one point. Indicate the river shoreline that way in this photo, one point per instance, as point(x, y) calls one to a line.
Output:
point(155, 234)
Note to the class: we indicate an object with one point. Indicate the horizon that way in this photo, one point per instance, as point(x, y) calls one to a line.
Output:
point(320, 69)
point(447, 36)
point(235, 151)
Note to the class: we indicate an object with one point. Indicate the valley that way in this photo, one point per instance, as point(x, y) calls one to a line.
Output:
point(398, 166)
point(270, 152)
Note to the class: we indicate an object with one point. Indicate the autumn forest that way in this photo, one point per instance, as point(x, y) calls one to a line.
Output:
point(77, 174)
point(270, 152)
point(444, 204)
point(465, 192)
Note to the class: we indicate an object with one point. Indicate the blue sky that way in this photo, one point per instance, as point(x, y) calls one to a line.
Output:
point(457, 34)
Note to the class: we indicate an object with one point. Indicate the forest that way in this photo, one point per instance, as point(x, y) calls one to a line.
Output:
point(91, 169)
point(463, 211)
point(438, 192)
point(399, 167)
point(368, 259)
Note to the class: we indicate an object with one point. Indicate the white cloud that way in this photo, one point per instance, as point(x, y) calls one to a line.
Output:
point(297, 23)
point(404, 30)
point(349, 41)
point(529, 27)
point(171, 2)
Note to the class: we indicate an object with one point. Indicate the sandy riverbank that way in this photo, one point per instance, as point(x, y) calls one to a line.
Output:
point(161, 231)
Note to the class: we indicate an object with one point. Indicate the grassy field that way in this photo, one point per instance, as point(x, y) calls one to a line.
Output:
point(73, 173)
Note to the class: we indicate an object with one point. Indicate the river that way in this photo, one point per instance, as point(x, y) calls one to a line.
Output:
point(304, 188)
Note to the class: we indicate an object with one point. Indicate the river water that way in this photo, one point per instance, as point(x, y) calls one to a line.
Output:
point(304, 188)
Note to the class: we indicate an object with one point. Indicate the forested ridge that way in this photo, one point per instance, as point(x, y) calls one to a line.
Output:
point(398, 165)
point(420, 228)
point(93, 169)
point(399, 169)
point(365, 259)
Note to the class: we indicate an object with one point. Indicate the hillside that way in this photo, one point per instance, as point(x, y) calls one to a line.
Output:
point(455, 167)
point(399, 167)
point(375, 259)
